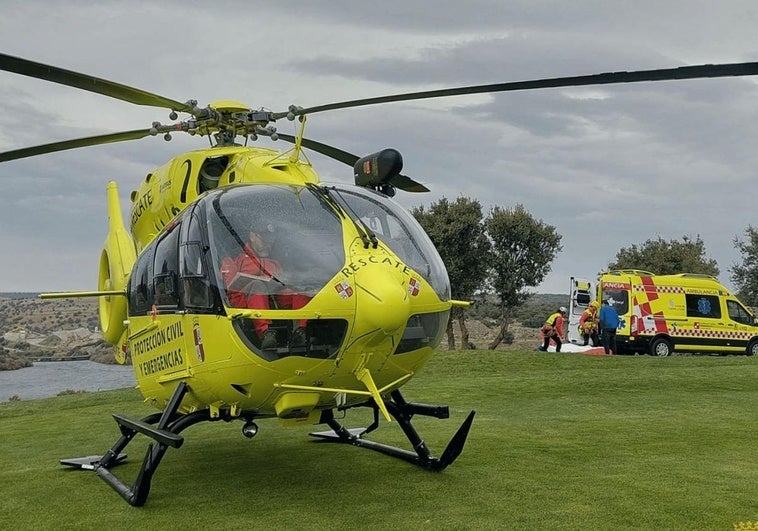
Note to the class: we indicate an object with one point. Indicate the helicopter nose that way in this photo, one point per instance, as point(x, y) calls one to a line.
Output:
point(382, 298)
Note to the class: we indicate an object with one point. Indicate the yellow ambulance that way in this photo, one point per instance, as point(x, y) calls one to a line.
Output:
point(661, 314)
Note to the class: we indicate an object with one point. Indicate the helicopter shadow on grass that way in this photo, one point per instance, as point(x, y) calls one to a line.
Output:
point(283, 463)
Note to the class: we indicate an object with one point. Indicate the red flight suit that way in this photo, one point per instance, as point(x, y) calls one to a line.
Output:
point(248, 262)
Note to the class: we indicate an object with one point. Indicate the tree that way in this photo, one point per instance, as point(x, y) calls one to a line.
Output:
point(523, 249)
point(667, 257)
point(457, 232)
point(745, 275)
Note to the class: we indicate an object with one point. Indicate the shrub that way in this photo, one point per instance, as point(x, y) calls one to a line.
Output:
point(70, 392)
point(508, 338)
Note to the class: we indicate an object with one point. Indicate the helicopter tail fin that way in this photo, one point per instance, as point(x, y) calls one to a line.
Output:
point(116, 263)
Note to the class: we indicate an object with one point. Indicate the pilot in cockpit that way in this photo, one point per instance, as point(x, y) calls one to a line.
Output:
point(251, 279)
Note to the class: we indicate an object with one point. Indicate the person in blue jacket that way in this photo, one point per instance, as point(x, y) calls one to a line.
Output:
point(609, 323)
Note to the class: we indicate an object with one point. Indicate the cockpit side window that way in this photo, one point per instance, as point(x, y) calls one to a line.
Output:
point(165, 269)
point(196, 285)
point(140, 288)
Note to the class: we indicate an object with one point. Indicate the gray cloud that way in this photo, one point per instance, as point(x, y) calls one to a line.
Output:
point(608, 166)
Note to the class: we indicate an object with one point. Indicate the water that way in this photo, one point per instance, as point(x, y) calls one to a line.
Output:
point(47, 379)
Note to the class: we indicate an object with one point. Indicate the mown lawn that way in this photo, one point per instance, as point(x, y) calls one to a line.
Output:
point(560, 441)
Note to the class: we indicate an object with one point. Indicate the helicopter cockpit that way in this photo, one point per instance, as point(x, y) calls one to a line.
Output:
point(303, 231)
point(190, 267)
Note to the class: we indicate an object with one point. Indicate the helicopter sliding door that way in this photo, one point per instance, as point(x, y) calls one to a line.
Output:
point(156, 328)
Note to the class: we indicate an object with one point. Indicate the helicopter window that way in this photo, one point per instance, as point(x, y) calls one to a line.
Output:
point(194, 229)
point(422, 330)
point(322, 338)
point(165, 271)
point(274, 247)
point(302, 237)
point(140, 289)
point(399, 231)
point(197, 292)
point(195, 282)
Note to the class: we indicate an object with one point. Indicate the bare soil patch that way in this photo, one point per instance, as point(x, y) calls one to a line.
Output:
point(482, 334)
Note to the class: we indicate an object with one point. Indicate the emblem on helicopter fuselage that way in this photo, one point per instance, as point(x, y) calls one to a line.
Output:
point(414, 286)
point(344, 289)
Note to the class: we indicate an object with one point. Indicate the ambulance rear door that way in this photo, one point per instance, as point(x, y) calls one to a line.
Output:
point(580, 296)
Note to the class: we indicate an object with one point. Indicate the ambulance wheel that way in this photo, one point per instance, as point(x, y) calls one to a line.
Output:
point(752, 348)
point(661, 347)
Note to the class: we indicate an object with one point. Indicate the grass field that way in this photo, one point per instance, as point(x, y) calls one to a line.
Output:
point(560, 441)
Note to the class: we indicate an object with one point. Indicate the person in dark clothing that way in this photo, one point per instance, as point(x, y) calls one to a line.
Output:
point(609, 323)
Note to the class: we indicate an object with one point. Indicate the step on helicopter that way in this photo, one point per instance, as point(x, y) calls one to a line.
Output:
point(246, 289)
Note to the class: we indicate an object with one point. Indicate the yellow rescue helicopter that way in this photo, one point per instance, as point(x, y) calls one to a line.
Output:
point(247, 289)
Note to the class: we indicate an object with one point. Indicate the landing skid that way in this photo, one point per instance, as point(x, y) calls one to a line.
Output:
point(402, 412)
point(164, 428)
point(89, 462)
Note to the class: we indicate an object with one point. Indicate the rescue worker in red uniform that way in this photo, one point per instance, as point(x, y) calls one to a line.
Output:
point(588, 324)
point(553, 329)
point(255, 260)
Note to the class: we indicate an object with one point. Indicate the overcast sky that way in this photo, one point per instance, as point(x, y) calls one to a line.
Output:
point(608, 167)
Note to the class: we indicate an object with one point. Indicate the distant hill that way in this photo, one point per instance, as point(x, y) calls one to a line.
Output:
point(18, 295)
point(532, 313)
point(32, 329)
point(46, 316)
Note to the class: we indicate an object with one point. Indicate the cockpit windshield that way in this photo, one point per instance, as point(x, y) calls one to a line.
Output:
point(295, 234)
point(397, 229)
point(292, 237)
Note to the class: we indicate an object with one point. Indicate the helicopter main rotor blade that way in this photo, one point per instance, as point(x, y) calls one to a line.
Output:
point(76, 143)
point(90, 83)
point(324, 149)
point(665, 74)
point(400, 181)
point(407, 184)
